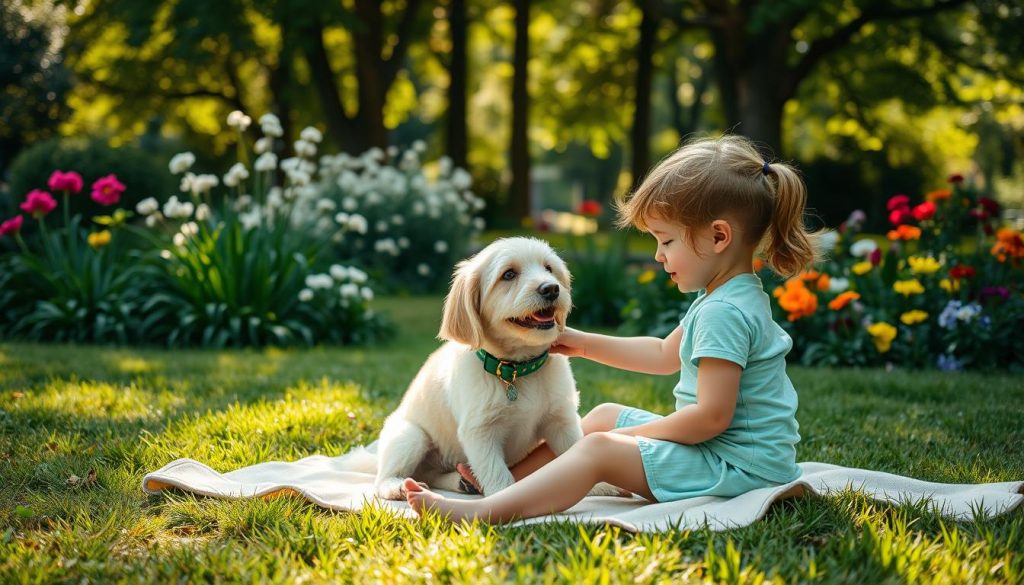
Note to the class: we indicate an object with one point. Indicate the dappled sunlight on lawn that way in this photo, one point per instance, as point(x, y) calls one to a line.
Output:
point(138, 365)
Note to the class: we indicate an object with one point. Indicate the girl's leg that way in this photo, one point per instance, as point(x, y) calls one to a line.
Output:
point(608, 457)
point(602, 418)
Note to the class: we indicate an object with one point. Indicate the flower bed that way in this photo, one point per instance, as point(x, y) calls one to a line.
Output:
point(942, 290)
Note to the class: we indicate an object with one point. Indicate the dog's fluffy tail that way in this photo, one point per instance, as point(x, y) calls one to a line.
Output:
point(360, 459)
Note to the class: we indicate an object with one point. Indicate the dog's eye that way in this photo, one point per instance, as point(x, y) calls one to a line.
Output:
point(509, 274)
point(547, 267)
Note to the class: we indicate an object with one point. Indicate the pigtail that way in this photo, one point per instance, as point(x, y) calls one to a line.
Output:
point(789, 247)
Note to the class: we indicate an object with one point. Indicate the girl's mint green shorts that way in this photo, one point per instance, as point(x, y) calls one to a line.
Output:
point(675, 471)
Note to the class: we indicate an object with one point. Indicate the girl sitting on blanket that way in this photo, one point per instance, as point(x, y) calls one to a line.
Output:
point(711, 204)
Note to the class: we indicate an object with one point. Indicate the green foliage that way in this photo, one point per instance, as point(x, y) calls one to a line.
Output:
point(144, 175)
point(599, 288)
point(70, 291)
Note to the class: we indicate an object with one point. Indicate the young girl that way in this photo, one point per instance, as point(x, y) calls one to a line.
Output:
point(711, 205)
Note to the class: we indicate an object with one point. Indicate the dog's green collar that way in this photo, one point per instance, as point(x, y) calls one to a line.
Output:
point(508, 372)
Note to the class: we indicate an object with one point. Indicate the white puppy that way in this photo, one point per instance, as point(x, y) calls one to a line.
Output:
point(510, 300)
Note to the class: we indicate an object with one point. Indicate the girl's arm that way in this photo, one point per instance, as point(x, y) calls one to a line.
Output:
point(718, 385)
point(648, 355)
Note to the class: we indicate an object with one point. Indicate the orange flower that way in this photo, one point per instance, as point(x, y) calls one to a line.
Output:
point(938, 195)
point(758, 264)
point(795, 299)
point(904, 232)
point(1009, 245)
point(842, 300)
point(820, 279)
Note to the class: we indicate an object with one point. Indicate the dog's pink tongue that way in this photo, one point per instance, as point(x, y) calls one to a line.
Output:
point(544, 316)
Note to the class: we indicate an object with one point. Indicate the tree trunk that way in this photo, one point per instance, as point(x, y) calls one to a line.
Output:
point(640, 135)
point(519, 191)
point(368, 39)
point(457, 133)
point(340, 128)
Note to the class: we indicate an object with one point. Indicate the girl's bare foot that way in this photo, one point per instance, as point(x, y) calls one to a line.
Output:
point(422, 499)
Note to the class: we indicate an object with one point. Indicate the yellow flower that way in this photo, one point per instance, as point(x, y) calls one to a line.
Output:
point(913, 317)
point(950, 286)
point(882, 334)
point(99, 239)
point(923, 264)
point(645, 276)
point(861, 268)
point(908, 287)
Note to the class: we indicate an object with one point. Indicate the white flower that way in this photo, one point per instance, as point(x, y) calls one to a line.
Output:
point(190, 229)
point(357, 276)
point(265, 162)
point(461, 179)
point(306, 295)
point(445, 165)
point(181, 162)
point(236, 174)
point(237, 119)
point(339, 272)
point(403, 242)
point(440, 246)
point(147, 206)
point(349, 290)
point(386, 246)
point(250, 219)
point(242, 202)
point(203, 212)
point(317, 281)
point(299, 178)
point(863, 248)
point(275, 197)
point(423, 269)
point(269, 118)
point(311, 134)
point(419, 146)
point(304, 148)
point(341, 218)
point(418, 208)
point(837, 284)
point(271, 125)
point(392, 151)
point(179, 240)
point(349, 204)
point(325, 205)
point(479, 224)
point(175, 209)
point(397, 219)
point(367, 293)
point(381, 226)
point(152, 219)
point(829, 239)
point(358, 223)
point(263, 145)
point(203, 183)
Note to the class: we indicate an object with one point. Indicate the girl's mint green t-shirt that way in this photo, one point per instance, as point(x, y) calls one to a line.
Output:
point(735, 323)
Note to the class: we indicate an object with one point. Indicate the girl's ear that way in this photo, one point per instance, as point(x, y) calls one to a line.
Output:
point(721, 234)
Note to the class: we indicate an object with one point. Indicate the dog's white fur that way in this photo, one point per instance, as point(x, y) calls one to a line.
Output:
point(454, 411)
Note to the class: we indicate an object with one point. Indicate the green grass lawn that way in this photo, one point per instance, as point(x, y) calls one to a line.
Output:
point(65, 411)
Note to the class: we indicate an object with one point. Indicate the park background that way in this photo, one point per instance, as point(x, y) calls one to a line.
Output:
point(407, 134)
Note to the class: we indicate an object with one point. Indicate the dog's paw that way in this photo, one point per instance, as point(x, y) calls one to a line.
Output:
point(607, 489)
point(391, 488)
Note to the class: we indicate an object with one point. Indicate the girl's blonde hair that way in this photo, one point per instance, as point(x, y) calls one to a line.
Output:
point(726, 178)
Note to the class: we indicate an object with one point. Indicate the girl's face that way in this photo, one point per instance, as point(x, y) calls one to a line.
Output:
point(691, 269)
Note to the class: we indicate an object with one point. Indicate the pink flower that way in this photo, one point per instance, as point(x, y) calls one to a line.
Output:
point(876, 256)
point(107, 190)
point(69, 181)
point(38, 203)
point(900, 216)
point(11, 226)
point(898, 201)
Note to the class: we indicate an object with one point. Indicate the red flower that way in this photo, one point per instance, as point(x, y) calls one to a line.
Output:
point(990, 206)
point(107, 190)
point(12, 226)
point(924, 211)
point(69, 181)
point(900, 216)
point(875, 257)
point(956, 178)
point(899, 201)
point(38, 203)
point(590, 208)
point(962, 271)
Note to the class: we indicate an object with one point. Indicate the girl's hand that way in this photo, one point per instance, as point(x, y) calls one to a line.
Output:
point(570, 343)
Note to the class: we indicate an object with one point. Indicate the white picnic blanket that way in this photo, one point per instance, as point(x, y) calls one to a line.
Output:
point(320, 480)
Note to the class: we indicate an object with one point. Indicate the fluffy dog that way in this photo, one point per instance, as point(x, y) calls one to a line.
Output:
point(511, 300)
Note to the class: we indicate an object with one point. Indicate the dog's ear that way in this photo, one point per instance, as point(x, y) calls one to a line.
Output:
point(460, 321)
point(561, 272)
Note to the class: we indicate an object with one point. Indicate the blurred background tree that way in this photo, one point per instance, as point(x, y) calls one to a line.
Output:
point(546, 102)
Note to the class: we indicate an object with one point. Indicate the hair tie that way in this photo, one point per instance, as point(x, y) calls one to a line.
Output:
point(764, 169)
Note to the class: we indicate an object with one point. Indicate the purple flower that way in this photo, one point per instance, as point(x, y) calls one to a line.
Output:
point(995, 291)
point(949, 363)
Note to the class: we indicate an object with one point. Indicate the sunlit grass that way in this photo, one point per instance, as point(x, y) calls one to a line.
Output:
point(67, 410)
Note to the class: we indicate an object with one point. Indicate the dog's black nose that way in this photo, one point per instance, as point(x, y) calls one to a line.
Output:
point(548, 290)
